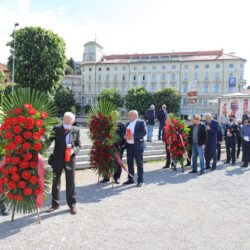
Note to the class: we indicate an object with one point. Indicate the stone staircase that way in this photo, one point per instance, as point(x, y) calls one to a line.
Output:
point(155, 151)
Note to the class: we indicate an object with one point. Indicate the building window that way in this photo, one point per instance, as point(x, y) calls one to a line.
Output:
point(90, 69)
point(123, 77)
point(205, 88)
point(196, 66)
point(185, 76)
point(205, 102)
point(89, 88)
point(143, 77)
point(185, 88)
point(163, 77)
point(115, 77)
point(134, 77)
point(89, 100)
point(99, 77)
point(154, 77)
point(186, 67)
point(124, 68)
point(241, 66)
point(206, 75)
point(241, 75)
point(116, 69)
point(173, 67)
point(154, 67)
point(231, 66)
point(173, 77)
point(217, 66)
point(135, 68)
point(99, 69)
point(89, 77)
point(216, 88)
point(184, 101)
point(231, 75)
point(196, 76)
point(164, 67)
point(107, 77)
point(217, 75)
point(206, 66)
point(107, 68)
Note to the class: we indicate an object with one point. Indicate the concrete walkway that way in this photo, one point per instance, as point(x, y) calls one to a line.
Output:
point(171, 211)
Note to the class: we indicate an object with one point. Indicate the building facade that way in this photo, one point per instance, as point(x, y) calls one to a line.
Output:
point(216, 73)
point(7, 75)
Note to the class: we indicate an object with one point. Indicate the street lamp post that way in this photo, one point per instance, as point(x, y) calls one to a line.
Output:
point(14, 58)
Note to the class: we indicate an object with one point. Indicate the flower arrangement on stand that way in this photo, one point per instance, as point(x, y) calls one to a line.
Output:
point(176, 134)
point(102, 126)
point(26, 125)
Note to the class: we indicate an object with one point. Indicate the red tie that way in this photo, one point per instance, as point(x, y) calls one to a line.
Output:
point(65, 131)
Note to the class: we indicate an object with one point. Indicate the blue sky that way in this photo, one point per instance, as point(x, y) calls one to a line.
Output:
point(128, 26)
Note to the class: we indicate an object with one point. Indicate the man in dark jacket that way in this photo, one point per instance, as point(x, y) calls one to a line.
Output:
point(245, 133)
point(231, 134)
point(239, 139)
point(162, 116)
point(219, 141)
point(3, 210)
point(65, 135)
point(150, 122)
point(199, 139)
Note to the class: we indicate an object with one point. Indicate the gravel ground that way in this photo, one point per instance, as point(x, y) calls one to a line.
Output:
point(171, 211)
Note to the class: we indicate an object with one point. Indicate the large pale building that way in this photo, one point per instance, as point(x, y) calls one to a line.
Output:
point(216, 73)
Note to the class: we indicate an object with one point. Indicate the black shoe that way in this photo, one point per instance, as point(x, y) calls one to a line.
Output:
point(213, 168)
point(192, 172)
point(187, 165)
point(244, 166)
point(207, 167)
point(4, 213)
point(167, 166)
point(139, 184)
point(201, 173)
point(104, 180)
point(73, 211)
point(52, 209)
point(116, 182)
point(226, 162)
point(233, 163)
point(128, 182)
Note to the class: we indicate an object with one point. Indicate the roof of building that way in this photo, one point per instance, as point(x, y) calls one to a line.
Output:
point(170, 56)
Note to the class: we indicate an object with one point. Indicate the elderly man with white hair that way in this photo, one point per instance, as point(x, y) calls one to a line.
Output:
point(67, 145)
point(135, 132)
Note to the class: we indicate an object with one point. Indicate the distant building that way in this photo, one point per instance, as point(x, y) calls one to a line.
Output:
point(74, 82)
point(7, 78)
point(216, 72)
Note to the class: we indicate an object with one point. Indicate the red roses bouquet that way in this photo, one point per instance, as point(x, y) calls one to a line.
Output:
point(176, 133)
point(102, 126)
point(24, 131)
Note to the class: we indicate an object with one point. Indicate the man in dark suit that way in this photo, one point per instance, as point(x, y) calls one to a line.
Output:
point(135, 132)
point(198, 136)
point(150, 121)
point(65, 135)
point(219, 141)
point(162, 116)
point(211, 145)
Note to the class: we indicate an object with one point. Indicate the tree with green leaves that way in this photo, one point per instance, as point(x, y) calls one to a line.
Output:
point(40, 58)
point(64, 100)
point(112, 95)
point(71, 63)
point(169, 96)
point(138, 98)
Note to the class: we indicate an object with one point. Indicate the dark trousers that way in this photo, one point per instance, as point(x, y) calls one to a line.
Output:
point(210, 154)
point(161, 127)
point(2, 206)
point(239, 145)
point(70, 186)
point(230, 149)
point(218, 151)
point(246, 152)
point(118, 168)
point(137, 155)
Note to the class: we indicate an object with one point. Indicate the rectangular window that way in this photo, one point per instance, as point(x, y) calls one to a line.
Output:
point(206, 75)
point(99, 77)
point(173, 77)
point(154, 67)
point(217, 66)
point(206, 66)
point(89, 77)
point(107, 68)
point(196, 76)
point(124, 68)
point(135, 68)
point(123, 77)
point(143, 77)
point(231, 66)
point(99, 69)
point(90, 69)
point(107, 77)
point(231, 75)
point(164, 67)
point(216, 88)
point(185, 76)
point(144, 68)
point(185, 88)
point(205, 102)
point(205, 88)
point(173, 67)
point(115, 77)
point(154, 77)
point(217, 75)
point(241, 66)
point(196, 66)
point(89, 88)
point(185, 66)
point(134, 77)
point(163, 77)
point(115, 69)
point(184, 101)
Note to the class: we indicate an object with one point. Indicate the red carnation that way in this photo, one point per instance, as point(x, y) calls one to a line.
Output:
point(28, 106)
point(18, 139)
point(15, 160)
point(37, 146)
point(36, 192)
point(41, 131)
point(27, 191)
point(15, 177)
point(44, 115)
point(28, 156)
point(33, 180)
point(26, 175)
point(21, 184)
point(18, 197)
point(17, 111)
point(26, 146)
point(29, 123)
point(31, 111)
point(36, 136)
point(8, 135)
point(27, 134)
point(13, 169)
point(24, 164)
point(33, 164)
point(10, 195)
point(21, 119)
point(7, 159)
point(17, 129)
point(14, 120)
point(7, 147)
point(12, 145)
point(11, 185)
point(39, 123)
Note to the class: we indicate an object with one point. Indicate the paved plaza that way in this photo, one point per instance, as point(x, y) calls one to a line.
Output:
point(171, 211)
